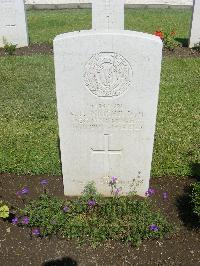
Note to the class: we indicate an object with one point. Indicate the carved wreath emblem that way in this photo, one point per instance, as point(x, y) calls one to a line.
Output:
point(108, 74)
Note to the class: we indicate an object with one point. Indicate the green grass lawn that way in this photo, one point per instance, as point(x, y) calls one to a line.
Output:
point(45, 25)
point(28, 120)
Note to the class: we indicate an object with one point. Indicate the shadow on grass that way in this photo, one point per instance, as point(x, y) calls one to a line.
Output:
point(185, 209)
point(59, 152)
point(195, 168)
point(183, 41)
point(66, 261)
point(184, 204)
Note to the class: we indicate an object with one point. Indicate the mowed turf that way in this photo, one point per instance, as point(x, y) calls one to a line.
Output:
point(28, 119)
point(28, 125)
point(45, 25)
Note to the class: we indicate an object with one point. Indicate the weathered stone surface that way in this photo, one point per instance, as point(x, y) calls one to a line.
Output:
point(13, 27)
point(107, 86)
point(195, 25)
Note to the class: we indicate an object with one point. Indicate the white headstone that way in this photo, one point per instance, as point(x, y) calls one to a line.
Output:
point(108, 15)
point(107, 85)
point(13, 23)
point(195, 26)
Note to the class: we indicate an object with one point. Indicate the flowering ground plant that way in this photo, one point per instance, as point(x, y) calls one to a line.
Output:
point(168, 38)
point(94, 218)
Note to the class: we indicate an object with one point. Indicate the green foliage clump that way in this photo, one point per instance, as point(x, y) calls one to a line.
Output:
point(10, 48)
point(4, 210)
point(94, 218)
point(196, 198)
point(197, 47)
point(169, 41)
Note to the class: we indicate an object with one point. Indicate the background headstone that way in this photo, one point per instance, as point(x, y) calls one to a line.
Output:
point(195, 25)
point(81, 3)
point(13, 23)
point(107, 15)
point(107, 85)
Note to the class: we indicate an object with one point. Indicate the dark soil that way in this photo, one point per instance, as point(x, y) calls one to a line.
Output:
point(17, 247)
point(45, 48)
point(181, 52)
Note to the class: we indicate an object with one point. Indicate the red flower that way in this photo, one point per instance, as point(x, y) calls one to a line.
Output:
point(159, 34)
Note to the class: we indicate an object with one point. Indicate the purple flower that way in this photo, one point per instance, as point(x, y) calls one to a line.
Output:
point(113, 180)
point(117, 191)
point(36, 231)
point(91, 203)
point(150, 192)
point(65, 209)
point(25, 220)
point(24, 190)
point(15, 220)
point(44, 182)
point(153, 227)
point(165, 195)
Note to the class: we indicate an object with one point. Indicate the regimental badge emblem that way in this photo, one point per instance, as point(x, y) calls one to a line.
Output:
point(108, 74)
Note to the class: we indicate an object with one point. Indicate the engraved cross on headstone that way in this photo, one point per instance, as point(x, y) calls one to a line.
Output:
point(108, 15)
point(107, 153)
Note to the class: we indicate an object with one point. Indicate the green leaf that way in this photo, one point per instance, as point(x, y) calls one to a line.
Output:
point(4, 211)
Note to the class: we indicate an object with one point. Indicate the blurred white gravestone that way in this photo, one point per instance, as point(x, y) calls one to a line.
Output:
point(13, 27)
point(108, 15)
point(195, 26)
point(107, 86)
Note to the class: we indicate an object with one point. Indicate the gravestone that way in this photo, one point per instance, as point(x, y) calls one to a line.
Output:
point(107, 86)
point(195, 25)
point(13, 23)
point(108, 15)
